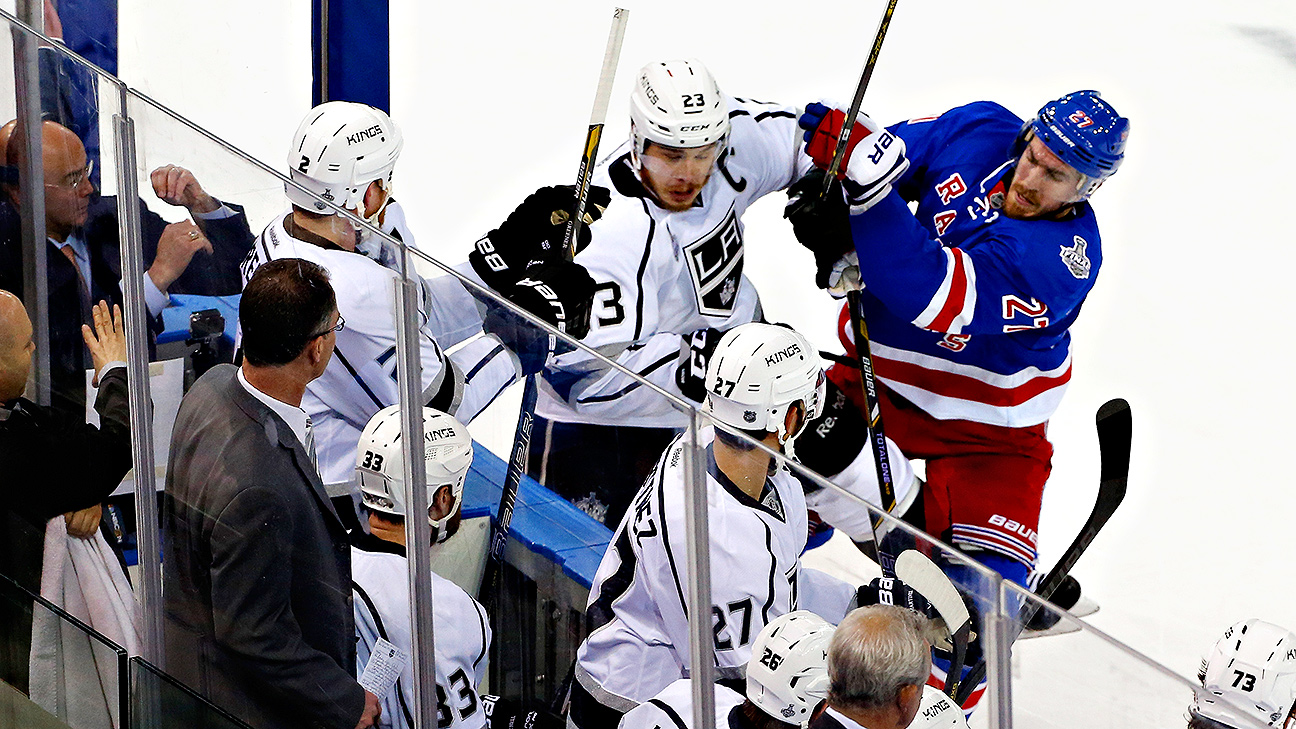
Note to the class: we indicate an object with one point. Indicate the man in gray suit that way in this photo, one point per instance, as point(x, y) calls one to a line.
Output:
point(257, 570)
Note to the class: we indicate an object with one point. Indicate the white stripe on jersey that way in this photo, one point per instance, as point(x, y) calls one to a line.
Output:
point(460, 629)
point(673, 708)
point(638, 594)
point(661, 274)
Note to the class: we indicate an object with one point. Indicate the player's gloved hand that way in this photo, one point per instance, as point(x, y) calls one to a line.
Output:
point(533, 234)
point(893, 591)
point(695, 354)
point(504, 713)
point(560, 292)
point(822, 224)
point(867, 176)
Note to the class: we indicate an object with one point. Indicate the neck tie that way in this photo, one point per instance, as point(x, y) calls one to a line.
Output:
point(83, 287)
point(310, 443)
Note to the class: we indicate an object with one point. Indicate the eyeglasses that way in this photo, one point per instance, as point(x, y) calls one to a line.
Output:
point(335, 328)
point(73, 180)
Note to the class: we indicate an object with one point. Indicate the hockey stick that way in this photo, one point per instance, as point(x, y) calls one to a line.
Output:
point(526, 415)
point(919, 572)
point(1115, 428)
point(877, 435)
point(881, 459)
point(865, 75)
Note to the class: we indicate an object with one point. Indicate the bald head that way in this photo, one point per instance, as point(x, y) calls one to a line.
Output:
point(16, 346)
point(67, 187)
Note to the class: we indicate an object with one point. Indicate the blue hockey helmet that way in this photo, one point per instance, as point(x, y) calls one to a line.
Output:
point(1084, 131)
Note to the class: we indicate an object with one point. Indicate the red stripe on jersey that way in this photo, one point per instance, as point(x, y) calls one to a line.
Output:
point(955, 299)
point(963, 387)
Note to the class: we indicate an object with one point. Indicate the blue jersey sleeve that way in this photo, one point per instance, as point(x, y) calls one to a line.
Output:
point(1016, 275)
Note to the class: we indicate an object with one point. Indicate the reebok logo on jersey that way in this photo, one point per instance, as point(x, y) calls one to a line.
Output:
point(363, 134)
point(1075, 259)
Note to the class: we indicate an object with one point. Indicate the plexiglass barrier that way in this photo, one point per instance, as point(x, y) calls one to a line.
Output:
point(72, 671)
point(250, 517)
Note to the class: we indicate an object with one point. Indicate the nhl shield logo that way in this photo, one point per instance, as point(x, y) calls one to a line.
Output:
point(1075, 259)
point(749, 416)
point(788, 712)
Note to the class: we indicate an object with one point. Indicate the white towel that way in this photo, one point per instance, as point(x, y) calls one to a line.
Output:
point(74, 676)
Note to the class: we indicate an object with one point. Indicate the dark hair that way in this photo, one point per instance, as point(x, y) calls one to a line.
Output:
point(287, 303)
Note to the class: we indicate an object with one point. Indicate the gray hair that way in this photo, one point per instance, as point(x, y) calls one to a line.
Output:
point(876, 651)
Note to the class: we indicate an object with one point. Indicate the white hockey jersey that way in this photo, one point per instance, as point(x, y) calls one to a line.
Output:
point(360, 379)
point(662, 274)
point(638, 598)
point(461, 632)
point(673, 708)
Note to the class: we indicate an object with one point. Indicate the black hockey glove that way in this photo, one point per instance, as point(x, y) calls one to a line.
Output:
point(533, 234)
point(504, 713)
point(561, 293)
point(892, 591)
point(820, 224)
point(695, 354)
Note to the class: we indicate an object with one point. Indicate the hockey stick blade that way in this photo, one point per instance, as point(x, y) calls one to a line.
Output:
point(1115, 433)
point(920, 573)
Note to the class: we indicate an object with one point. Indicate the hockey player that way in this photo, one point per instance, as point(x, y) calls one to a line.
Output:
point(786, 686)
point(667, 259)
point(767, 381)
point(380, 576)
point(1253, 668)
point(969, 300)
point(346, 152)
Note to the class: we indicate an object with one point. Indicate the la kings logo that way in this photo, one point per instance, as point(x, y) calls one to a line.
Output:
point(1075, 259)
point(715, 263)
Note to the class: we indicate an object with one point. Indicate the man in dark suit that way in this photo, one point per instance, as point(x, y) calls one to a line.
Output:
point(199, 256)
point(53, 464)
point(257, 576)
point(878, 662)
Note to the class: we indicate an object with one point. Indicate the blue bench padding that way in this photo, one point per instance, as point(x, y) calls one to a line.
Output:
point(543, 522)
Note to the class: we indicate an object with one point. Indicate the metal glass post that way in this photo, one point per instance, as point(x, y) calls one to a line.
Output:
point(31, 195)
point(998, 652)
point(701, 653)
point(129, 231)
point(418, 533)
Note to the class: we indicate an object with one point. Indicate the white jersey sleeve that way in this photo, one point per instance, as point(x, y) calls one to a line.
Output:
point(462, 632)
point(638, 596)
point(673, 708)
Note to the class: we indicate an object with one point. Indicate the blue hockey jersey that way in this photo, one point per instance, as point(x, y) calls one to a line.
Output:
point(968, 310)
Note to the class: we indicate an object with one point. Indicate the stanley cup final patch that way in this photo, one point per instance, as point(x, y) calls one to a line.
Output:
point(715, 264)
point(1075, 259)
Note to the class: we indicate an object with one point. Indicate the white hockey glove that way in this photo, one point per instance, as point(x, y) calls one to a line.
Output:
point(875, 157)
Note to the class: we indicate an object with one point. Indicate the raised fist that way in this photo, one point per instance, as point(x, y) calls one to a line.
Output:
point(866, 177)
point(533, 234)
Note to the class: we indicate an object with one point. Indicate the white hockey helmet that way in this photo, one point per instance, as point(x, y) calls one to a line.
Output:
point(677, 104)
point(1253, 666)
point(447, 453)
point(757, 372)
point(337, 150)
point(787, 675)
point(938, 711)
